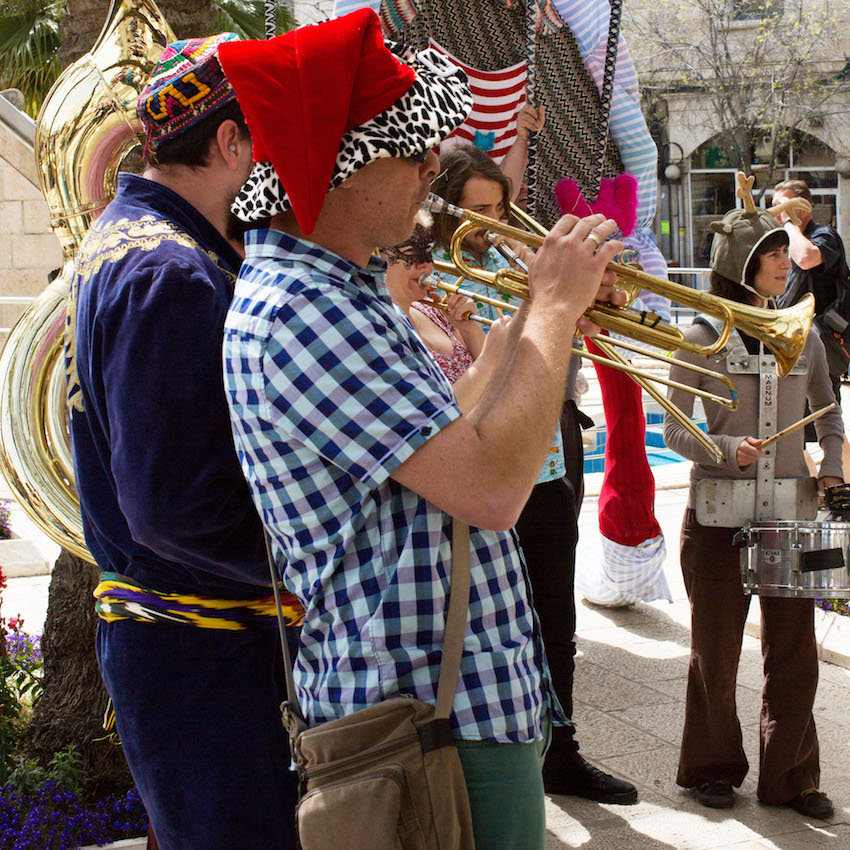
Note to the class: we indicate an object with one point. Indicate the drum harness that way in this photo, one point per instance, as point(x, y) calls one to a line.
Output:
point(732, 502)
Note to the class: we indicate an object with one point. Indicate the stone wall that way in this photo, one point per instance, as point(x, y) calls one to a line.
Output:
point(28, 249)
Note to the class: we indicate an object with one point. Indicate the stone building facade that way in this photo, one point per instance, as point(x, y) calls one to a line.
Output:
point(696, 173)
point(28, 249)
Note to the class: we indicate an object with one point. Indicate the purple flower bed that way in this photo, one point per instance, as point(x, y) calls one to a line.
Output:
point(839, 606)
point(23, 649)
point(5, 519)
point(53, 818)
point(42, 806)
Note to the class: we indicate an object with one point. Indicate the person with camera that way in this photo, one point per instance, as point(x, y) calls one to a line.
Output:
point(819, 266)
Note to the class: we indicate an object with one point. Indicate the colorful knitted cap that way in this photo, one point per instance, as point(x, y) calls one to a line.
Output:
point(186, 86)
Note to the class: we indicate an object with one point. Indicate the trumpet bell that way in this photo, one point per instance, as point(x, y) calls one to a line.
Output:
point(784, 333)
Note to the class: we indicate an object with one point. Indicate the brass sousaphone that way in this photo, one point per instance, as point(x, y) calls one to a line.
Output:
point(85, 129)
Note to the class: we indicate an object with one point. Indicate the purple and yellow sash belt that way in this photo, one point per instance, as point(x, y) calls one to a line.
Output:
point(120, 598)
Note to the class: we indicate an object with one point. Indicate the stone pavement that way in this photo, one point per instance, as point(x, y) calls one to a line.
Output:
point(629, 697)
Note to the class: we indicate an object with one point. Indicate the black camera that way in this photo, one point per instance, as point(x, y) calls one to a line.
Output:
point(834, 321)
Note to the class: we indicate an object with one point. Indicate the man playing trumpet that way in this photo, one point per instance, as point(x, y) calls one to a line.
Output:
point(350, 436)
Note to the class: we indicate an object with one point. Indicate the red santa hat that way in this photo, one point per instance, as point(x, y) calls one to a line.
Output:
point(324, 100)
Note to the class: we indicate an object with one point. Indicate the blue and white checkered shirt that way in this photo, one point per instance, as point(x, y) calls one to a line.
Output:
point(330, 391)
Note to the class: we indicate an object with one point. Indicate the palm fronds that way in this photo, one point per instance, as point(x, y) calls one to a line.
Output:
point(29, 42)
point(245, 18)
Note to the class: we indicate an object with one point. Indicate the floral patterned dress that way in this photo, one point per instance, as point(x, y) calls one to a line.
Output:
point(456, 363)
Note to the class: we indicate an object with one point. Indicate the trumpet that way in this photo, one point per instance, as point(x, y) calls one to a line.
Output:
point(506, 251)
point(784, 331)
point(611, 358)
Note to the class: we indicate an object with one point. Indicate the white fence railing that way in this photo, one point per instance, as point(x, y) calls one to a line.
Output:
point(695, 278)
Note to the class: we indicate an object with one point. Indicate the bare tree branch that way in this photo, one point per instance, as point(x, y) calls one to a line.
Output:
point(758, 77)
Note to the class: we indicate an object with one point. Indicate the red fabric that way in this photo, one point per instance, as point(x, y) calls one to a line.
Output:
point(627, 498)
point(301, 91)
point(617, 200)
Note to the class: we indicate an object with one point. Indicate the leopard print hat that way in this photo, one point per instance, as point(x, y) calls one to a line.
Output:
point(437, 103)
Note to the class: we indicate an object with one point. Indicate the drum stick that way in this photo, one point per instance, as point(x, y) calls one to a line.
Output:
point(797, 425)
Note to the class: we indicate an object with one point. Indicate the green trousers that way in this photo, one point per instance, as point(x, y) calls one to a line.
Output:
point(506, 796)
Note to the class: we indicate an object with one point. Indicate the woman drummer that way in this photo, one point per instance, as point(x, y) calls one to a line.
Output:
point(749, 262)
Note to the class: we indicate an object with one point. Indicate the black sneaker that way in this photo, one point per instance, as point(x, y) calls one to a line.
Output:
point(813, 804)
point(716, 795)
point(582, 779)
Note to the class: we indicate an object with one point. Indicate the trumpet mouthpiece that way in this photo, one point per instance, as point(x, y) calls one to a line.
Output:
point(428, 283)
point(435, 204)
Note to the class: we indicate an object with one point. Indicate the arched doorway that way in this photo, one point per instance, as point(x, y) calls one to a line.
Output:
point(710, 187)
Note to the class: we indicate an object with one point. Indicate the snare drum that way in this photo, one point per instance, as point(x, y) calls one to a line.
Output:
point(796, 558)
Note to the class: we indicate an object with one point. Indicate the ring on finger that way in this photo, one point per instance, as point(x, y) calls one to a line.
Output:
point(595, 238)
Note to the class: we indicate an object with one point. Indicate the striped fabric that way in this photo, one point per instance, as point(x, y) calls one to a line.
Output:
point(588, 21)
point(497, 97)
point(624, 574)
point(120, 598)
point(397, 14)
point(544, 14)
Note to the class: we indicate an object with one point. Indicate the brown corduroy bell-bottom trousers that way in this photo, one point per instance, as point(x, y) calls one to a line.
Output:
point(711, 741)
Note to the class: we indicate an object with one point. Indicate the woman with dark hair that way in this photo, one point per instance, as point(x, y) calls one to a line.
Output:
point(469, 179)
point(749, 261)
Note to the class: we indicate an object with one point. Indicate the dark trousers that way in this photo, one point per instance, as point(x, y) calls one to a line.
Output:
point(711, 741)
point(548, 534)
point(197, 713)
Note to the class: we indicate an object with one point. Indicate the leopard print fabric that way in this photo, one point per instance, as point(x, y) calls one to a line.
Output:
point(437, 103)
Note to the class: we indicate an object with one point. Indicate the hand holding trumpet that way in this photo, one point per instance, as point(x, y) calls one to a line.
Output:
point(569, 271)
point(459, 309)
point(597, 229)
